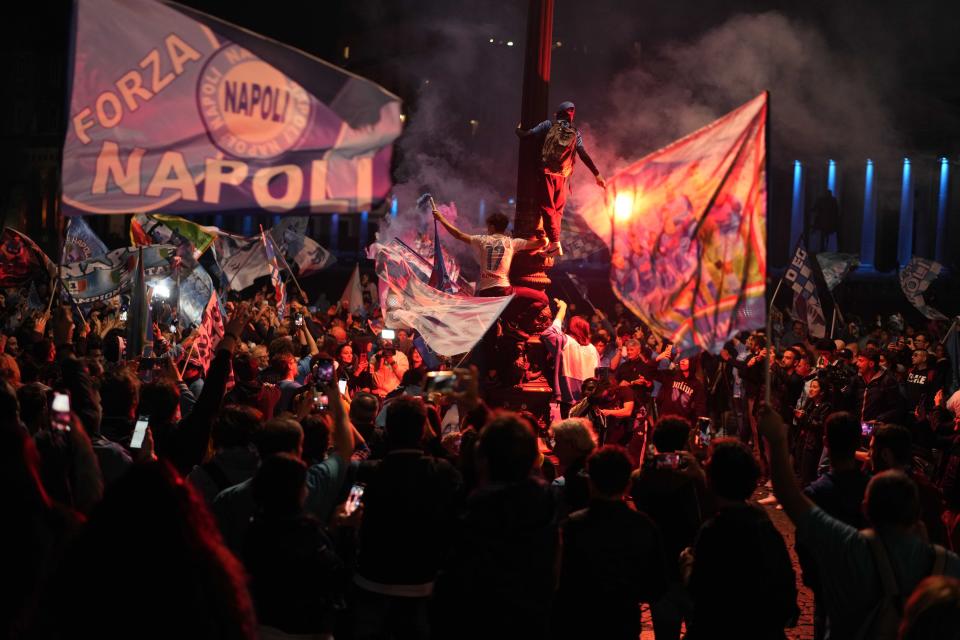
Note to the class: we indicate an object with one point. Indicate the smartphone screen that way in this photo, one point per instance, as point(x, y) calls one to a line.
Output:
point(60, 411)
point(61, 402)
point(866, 428)
point(299, 319)
point(323, 372)
point(342, 385)
point(139, 432)
point(388, 334)
point(353, 500)
point(668, 460)
point(440, 381)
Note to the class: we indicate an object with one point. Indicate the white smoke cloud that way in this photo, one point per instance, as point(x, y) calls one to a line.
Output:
point(823, 103)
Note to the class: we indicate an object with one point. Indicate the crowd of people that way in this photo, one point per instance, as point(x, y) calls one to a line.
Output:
point(312, 479)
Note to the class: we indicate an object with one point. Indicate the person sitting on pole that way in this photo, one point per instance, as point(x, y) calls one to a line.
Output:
point(560, 140)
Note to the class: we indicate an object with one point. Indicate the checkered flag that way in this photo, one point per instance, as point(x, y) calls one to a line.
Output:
point(806, 299)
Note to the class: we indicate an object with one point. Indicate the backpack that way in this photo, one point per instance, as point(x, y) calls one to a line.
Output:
point(883, 621)
point(559, 148)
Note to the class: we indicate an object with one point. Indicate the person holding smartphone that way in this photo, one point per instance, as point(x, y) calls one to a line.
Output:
point(388, 368)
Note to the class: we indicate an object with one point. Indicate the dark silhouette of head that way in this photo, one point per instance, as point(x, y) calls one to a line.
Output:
point(732, 471)
point(406, 418)
point(507, 448)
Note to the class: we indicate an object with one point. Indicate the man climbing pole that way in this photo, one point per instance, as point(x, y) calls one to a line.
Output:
point(561, 143)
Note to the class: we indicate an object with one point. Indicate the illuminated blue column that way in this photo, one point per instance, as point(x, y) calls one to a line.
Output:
point(364, 229)
point(276, 220)
point(868, 234)
point(334, 231)
point(942, 201)
point(832, 178)
point(796, 210)
point(247, 225)
point(483, 210)
point(393, 207)
point(218, 221)
point(905, 240)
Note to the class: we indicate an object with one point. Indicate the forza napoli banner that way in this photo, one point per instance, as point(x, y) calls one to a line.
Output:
point(174, 110)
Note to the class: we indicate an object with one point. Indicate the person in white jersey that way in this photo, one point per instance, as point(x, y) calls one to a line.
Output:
point(494, 252)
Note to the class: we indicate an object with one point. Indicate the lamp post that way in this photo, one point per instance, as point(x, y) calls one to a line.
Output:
point(529, 270)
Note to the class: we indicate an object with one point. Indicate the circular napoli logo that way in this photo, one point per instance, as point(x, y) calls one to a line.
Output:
point(250, 109)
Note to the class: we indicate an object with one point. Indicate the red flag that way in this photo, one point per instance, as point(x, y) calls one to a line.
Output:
point(209, 333)
point(22, 261)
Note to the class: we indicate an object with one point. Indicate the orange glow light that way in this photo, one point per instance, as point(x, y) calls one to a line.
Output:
point(623, 205)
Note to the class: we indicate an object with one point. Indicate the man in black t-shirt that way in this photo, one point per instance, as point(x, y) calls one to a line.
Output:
point(638, 370)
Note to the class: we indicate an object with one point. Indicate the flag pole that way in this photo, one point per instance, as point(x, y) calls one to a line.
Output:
point(54, 283)
point(767, 373)
point(279, 255)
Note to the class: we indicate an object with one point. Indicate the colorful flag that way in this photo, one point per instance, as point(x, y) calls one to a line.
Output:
point(21, 260)
point(81, 242)
point(280, 291)
point(438, 275)
point(423, 268)
point(835, 267)
point(209, 332)
point(915, 278)
point(137, 312)
point(190, 237)
point(808, 304)
point(449, 324)
point(106, 276)
point(579, 241)
point(690, 243)
point(353, 292)
point(174, 110)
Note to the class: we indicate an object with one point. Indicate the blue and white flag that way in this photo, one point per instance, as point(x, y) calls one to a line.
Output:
point(177, 111)
point(450, 324)
point(290, 237)
point(81, 242)
point(196, 288)
point(107, 276)
point(278, 286)
point(807, 302)
point(438, 275)
point(836, 267)
point(915, 278)
point(241, 259)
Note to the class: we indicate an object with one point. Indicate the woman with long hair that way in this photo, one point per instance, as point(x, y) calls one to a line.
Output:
point(152, 551)
point(575, 357)
point(810, 418)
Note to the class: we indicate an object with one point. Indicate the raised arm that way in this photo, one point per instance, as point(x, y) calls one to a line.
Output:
point(456, 233)
point(342, 427)
point(561, 312)
point(785, 485)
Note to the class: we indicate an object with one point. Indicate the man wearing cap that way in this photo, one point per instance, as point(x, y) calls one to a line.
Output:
point(561, 142)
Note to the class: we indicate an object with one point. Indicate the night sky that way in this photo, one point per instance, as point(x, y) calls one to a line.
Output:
point(848, 80)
